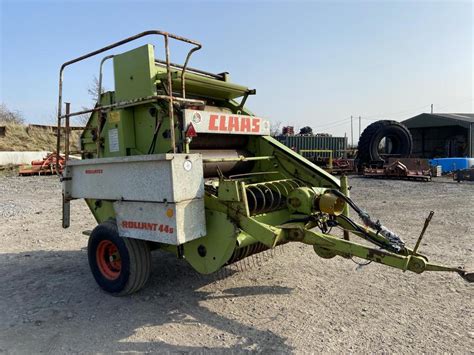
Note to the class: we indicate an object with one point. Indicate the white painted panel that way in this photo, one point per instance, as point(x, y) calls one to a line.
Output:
point(220, 122)
point(167, 223)
point(153, 178)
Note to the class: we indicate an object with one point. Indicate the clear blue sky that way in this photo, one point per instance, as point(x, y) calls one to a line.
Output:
point(312, 63)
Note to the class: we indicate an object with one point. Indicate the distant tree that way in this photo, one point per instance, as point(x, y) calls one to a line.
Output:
point(275, 128)
point(307, 130)
point(93, 89)
point(8, 116)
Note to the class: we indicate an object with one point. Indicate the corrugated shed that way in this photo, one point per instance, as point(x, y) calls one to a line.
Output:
point(440, 120)
point(432, 133)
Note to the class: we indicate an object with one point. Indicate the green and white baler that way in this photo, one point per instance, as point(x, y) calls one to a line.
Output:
point(173, 160)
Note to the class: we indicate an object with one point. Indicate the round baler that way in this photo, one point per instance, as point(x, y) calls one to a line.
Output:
point(173, 160)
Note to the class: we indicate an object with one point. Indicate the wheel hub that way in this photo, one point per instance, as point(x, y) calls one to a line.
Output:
point(108, 260)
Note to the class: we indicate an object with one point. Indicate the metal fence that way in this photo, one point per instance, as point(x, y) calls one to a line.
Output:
point(338, 145)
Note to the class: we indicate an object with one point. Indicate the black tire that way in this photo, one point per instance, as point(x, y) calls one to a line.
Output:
point(121, 266)
point(400, 136)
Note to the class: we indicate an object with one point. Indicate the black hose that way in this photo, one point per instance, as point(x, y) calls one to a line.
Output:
point(393, 240)
point(151, 150)
point(367, 236)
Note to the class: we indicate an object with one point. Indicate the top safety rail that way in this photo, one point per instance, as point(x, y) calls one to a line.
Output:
point(99, 107)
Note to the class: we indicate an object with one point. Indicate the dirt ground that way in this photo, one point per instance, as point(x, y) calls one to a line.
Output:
point(292, 302)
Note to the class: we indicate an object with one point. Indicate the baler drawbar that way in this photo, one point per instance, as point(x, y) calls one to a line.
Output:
point(171, 160)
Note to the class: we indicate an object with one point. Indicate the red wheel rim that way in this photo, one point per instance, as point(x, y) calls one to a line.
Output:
point(108, 259)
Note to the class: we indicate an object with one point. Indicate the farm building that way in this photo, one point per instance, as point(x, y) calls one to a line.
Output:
point(439, 135)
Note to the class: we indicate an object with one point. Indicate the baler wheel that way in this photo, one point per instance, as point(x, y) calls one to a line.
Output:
point(120, 266)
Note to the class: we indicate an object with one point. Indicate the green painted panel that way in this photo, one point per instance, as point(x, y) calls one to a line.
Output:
point(102, 210)
point(118, 133)
point(208, 254)
point(145, 117)
point(203, 86)
point(134, 73)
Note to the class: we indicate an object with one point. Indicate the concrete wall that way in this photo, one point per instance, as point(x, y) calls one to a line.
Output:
point(17, 158)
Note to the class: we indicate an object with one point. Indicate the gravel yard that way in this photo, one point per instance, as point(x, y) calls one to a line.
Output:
point(292, 302)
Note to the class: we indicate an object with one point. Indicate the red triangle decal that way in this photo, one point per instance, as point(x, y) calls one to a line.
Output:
point(191, 131)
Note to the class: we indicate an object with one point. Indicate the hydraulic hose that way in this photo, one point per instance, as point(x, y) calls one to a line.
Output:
point(393, 239)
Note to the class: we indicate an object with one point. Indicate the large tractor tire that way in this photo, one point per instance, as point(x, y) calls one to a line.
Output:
point(368, 150)
point(120, 266)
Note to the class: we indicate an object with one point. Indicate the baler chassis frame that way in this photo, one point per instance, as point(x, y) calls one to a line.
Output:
point(170, 98)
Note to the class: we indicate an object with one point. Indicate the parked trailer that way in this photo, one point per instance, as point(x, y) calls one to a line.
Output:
point(172, 161)
point(464, 175)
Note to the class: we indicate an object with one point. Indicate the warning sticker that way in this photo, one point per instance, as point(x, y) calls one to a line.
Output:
point(113, 140)
point(114, 117)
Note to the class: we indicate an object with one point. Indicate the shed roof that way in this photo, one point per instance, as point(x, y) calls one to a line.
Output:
point(440, 119)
